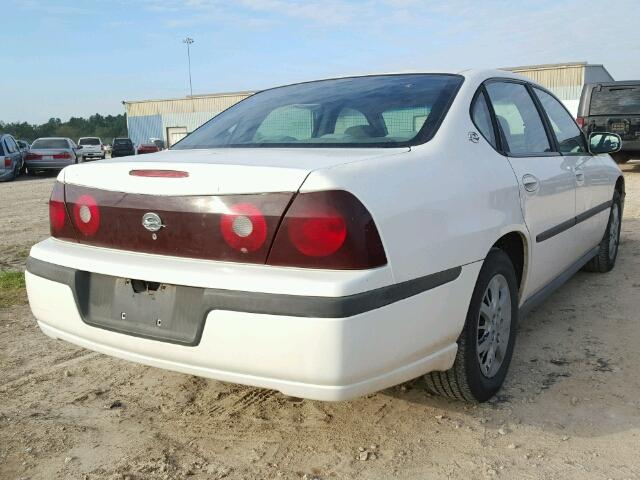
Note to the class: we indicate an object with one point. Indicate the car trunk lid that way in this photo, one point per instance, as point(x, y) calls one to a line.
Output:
point(216, 172)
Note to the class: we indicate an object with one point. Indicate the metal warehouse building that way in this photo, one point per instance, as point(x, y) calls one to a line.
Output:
point(172, 119)
point(565, 80)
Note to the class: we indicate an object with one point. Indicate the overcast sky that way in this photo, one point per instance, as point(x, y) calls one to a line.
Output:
point(74, 58)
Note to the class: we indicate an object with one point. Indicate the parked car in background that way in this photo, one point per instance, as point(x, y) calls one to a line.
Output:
point(147, 148)
point(92, 148)
point(52, 153)
point(158, 142)
point(613, 107)
point(24, 147)
point(337, 237)
point(122, 147)
point(11, 160)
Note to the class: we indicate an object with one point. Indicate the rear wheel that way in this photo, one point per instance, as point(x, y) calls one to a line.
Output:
point(486, 343)
point(605, 260)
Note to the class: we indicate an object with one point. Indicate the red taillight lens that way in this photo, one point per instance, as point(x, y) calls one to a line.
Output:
point(327, 230)
point(244, 228)
point(57, 210)
point(322, 233)
point(33, 156)
point(580, 121)
point(7, 162)
point(86, 215)
point(62, 156)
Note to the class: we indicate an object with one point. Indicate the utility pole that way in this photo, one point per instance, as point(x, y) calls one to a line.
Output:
point(189, 41)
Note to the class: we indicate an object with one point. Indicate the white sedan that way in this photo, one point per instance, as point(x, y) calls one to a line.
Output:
point(333, 238)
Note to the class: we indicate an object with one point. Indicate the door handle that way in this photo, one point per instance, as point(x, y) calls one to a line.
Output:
point(580, 177)
point(530, 183)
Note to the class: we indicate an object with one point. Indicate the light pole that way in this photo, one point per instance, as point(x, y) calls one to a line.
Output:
point(189, 41)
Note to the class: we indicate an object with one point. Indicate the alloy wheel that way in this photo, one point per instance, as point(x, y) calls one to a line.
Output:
point(614, 231)
point(494, 326)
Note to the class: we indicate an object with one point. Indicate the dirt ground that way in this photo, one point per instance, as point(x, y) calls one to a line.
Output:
point(570, 408)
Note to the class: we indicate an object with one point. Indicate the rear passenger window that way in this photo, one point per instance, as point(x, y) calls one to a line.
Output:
point(482, 119)
point(11, 145)
point(521, 127)
point(570, 139)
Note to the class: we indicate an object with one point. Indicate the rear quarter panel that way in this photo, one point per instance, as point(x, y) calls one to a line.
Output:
point(440, 205)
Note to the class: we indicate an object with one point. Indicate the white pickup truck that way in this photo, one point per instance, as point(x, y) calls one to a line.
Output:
point(92, 148)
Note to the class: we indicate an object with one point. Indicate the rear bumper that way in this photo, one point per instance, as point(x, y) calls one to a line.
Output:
point(40, 165)
point(325, 348)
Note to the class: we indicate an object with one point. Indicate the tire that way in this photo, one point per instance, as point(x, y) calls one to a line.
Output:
point(474, 377)
point(605, 260)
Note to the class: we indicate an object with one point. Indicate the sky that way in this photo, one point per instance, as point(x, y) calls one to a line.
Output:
point(65, 58)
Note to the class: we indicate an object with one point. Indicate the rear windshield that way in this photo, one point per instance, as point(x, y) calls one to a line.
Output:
point(89, 141)
point(615, 101)
point(385, 110)
point(1, 147)
point(122, 142)
point(50, 143)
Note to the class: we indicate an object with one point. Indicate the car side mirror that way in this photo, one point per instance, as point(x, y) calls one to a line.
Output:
point(603, 142)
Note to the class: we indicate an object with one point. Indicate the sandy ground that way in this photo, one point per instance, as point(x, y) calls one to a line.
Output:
point(570, 408)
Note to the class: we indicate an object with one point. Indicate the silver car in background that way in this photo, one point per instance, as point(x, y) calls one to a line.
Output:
point(53, 153)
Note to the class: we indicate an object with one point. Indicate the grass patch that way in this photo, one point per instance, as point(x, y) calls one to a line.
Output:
point(12, 288)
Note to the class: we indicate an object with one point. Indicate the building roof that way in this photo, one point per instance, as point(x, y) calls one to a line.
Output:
point(245, 93)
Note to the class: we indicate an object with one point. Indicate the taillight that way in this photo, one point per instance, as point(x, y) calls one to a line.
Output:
point(57, 210)
point(244, 227)
point(580, 121)
point(329, 229)
point(33, 156)
point(62, 156)
point(7, 161)
point(86, 215)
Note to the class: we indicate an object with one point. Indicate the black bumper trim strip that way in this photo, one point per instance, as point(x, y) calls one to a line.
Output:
point(266, 303)
point(553, 231)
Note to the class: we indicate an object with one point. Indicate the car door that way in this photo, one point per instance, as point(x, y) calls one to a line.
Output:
point(13, 150)
point(593, 185)
point(546, 180)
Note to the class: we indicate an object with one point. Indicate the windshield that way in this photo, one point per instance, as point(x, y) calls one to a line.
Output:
point(615, 101)
point(50, 143)
point(385, 110)
point(89, 141)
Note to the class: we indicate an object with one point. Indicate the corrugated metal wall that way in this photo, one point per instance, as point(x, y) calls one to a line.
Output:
point(205, 103)
point(141, 129)
point(565, 81)
point(150, 118)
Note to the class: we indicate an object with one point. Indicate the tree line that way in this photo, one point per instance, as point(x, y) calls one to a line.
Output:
point(106, 127)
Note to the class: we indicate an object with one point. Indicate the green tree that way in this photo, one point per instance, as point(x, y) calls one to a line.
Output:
point(105, 127)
